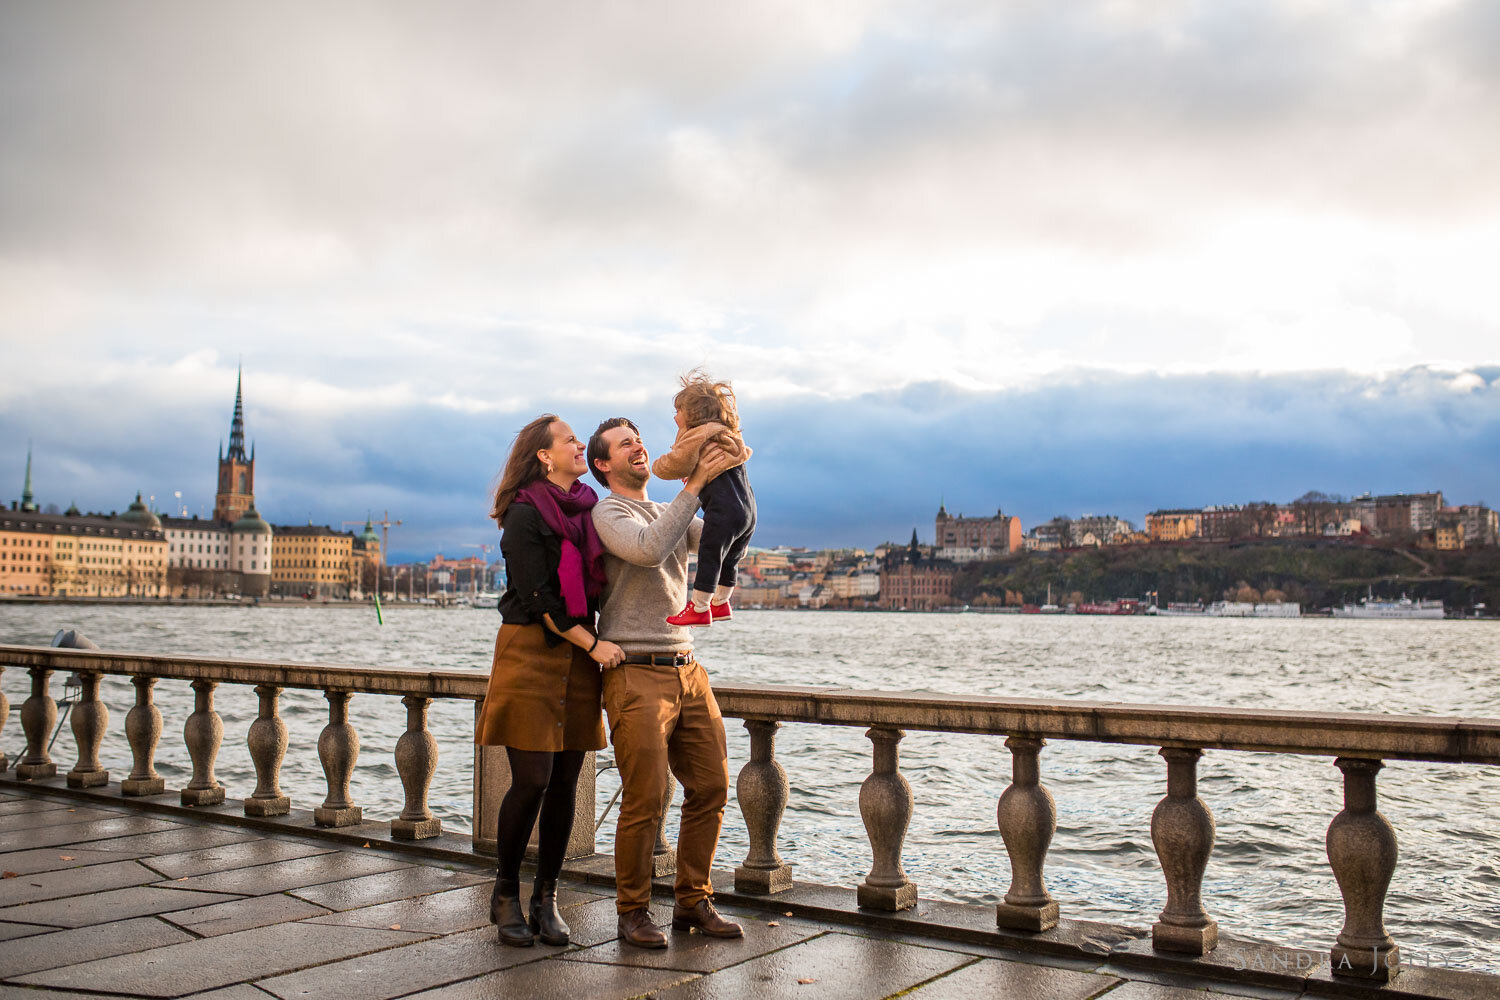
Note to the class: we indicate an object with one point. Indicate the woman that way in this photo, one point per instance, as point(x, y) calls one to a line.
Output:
point(543, 701)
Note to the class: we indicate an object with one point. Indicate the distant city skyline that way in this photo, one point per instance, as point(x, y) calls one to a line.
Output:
point(882, 466)
point(1102, 256)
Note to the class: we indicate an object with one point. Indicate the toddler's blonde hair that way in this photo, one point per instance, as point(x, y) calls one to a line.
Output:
point(703, 401)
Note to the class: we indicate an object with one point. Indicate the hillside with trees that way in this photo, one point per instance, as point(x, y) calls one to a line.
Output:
point(1314, 573)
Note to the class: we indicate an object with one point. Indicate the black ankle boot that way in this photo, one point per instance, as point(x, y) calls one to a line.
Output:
point(546, 923)
point(505, 912)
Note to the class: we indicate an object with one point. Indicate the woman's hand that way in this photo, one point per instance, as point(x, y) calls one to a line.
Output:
point(607, 654)
point(713, 461)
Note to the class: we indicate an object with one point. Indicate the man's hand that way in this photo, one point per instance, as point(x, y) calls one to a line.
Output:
point(712, 462)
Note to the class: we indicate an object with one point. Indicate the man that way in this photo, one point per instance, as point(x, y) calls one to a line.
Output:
point(661, 710)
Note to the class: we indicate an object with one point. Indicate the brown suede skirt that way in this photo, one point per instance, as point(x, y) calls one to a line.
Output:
point(540, 697)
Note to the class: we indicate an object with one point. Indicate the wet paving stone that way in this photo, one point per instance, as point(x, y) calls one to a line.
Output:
point(553, 978)
point(79, 833)
point(59, 948)
point(193, 966)
point(387, 886)
point(73, 881)
point(989, 978)
point(397, 971)
point(245, 854)
point(9, 807)
point(834, 966)
point(74, 814)
point(280, 876)
point(691, 952)
point(47, 859)
point(243, 914)
point(105, 907)
point(443, 912)
point(177, 840)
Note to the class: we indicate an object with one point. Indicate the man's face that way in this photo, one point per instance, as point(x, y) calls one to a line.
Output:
point(626, 458)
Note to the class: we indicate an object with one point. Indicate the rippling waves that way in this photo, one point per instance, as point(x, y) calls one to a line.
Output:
point(1268, 877)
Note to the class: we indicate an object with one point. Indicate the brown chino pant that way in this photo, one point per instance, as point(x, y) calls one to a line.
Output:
point(662, 717)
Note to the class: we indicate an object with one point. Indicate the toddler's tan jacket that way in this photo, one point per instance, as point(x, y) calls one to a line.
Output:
point(679, 462)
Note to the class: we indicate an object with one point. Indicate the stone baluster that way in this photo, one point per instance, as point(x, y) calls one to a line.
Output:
point(4, 714)
point(762, 792)
point(267, 743)
point(89, 721)
point(664, 855)
point(1027, 817)
point(416, 762)
point(1182, 829)
point(143, 730)
point(203, 732)
point(1362, 850)
point(885, 805)
point(38, 717)
point(338, 749)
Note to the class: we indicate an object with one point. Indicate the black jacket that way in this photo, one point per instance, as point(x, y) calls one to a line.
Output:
point(532, 551)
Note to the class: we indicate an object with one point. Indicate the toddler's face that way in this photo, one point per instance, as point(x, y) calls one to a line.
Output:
point(678, 416)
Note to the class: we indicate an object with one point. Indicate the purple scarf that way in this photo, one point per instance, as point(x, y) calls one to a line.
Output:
point(580, 571)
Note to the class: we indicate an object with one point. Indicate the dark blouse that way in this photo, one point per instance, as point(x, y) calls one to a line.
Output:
point(532, 551)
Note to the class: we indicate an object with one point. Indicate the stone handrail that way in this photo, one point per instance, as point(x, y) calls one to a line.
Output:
point(1360, 842)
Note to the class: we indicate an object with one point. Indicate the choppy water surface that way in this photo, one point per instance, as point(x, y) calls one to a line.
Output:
point(1268, 878)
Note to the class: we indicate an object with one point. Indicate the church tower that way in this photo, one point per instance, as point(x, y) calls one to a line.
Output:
point(236, 469)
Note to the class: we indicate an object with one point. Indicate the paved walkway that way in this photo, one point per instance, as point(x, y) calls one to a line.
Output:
point(110, 901)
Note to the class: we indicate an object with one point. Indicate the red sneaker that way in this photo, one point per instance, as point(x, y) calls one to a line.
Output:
point(720, 612)
point(691, 616)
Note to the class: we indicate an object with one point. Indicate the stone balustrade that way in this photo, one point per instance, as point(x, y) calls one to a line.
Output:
point(1361, 845)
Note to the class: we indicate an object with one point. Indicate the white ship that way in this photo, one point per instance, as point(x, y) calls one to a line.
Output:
point(1231, 609)
point(1368, 607)
point(487, 600)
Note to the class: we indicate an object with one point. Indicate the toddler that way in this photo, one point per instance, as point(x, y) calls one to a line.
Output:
point(706, 412)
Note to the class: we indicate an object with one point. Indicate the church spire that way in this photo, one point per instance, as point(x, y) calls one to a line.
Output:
point(28, 502)
point(237, 425)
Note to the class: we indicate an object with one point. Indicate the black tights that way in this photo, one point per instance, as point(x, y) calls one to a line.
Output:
point(543, 782)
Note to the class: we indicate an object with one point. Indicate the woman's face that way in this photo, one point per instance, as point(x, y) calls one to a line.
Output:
point(567, 452)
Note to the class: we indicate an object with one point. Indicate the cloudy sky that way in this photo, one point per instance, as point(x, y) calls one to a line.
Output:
point(1097, 256)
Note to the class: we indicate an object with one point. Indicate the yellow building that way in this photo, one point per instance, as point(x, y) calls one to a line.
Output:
point(311, 561)
point(1448, 529)
point(1174, 525)
point(70, 555)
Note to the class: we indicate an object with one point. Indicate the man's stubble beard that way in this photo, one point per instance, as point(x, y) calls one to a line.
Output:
point(630, 479)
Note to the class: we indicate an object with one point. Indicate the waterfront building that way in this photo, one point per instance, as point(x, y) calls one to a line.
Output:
point(969, 539)
point(311, 561)
point(1480, 524)
point(1448, 529)
point(72, 555)
point(1399, 514)
point(236, 493)
point(229, 553)
point(1106, 528)
point(1174, 525)
point(914, 581)
point(365, 561)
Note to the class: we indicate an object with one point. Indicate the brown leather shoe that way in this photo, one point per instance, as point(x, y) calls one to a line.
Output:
point(703, 916)
point(635, 928)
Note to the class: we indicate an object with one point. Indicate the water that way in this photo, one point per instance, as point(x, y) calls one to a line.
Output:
point(1268, 877)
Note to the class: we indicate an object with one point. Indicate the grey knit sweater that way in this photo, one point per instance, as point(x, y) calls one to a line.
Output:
point(647, 545)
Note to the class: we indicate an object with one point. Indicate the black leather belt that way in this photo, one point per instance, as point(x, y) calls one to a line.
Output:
point(659, 659)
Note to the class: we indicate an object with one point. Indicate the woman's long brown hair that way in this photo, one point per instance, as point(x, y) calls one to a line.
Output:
point(523, 466)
